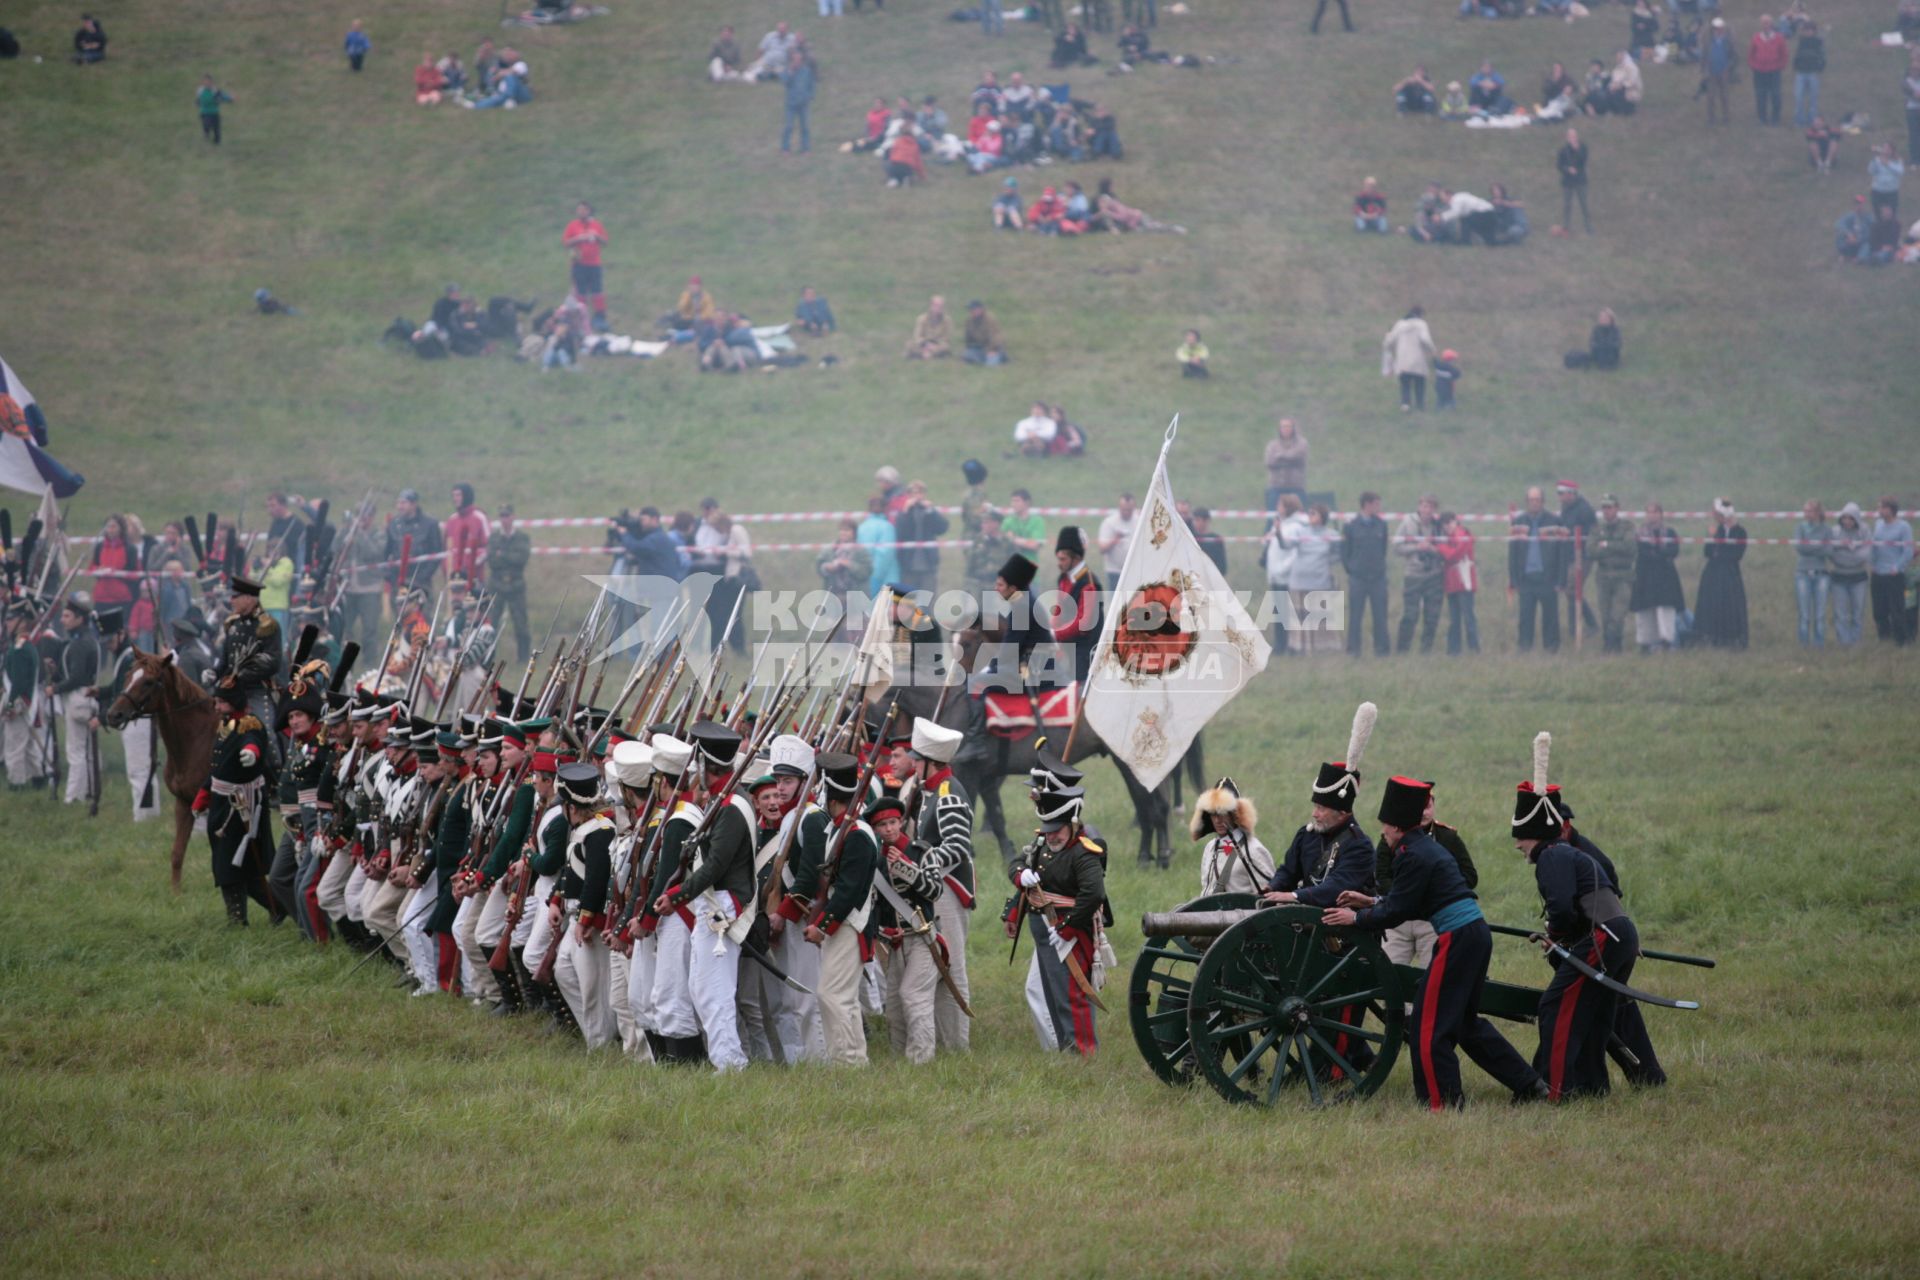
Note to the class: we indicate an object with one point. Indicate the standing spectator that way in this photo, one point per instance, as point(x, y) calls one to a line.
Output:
point(1193, 355)
point(981, 340)
point(584, 238)
point(1767, 57)
point(875, 533)
point(1535, 570)
point(1657, 600)
point(1446, 376)
point(1462, 580)
point(465, 533)
point(1892, 553)
point(358, 45)
point(1284, 535)
point(918, 521)
point(1716, 61)
point(366, 581)
point(1849, 566)
point(1286, 460)
point(287, 527)
point(207, 100)
point(1911, 85)
point(1407, 352)
point(800, 78)
point(1313, 559)
point(1363, 553)
point(1024, 525)
point(993, 20)
point(707, 551)
point(973, 503)
point(90, 41)
point(1320, 10)
point(508, 551)
point(991, 548)
point(1809, 60)
point(1210, 542)
point(891, 488)
point(1576, 514)
point(419, 534)
point(1572, 164)
point(1720, 608)
point(845, 566)
point(1370, 207)
point(1422, 584)
point(1115, 536)
point(114, 555)
point(1812, 539)
point(1611, 552)
point(1883, 173)
point(737, 577)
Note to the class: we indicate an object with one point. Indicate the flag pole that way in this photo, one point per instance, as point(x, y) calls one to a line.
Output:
point(1107, 620)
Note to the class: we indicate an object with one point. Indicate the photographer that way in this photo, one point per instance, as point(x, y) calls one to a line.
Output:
point(649, 549)
point(919, 522)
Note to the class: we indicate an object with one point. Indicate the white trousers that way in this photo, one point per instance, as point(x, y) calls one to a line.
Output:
point(533, 916)
point(423, 952)
point(839, 992)
point(912, 978)
point(1038, 1009)
point(950, 1025)
point(759, 1012)
point(332, 893)
point(582, 974)
point(492, 925)
point(24, 745)
point(78, 709)
point(476, 979)
point(142, 767)
point(380, 903)
point(640, 966)
point(617, 979)
point(673, 1007)
point(713, 980)
point(798, 1019)
point(1654, 626)
point(1410, 943)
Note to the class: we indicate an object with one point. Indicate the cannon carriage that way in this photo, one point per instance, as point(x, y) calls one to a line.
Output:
point(1267, 1002)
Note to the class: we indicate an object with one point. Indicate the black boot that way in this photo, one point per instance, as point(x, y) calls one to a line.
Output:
point(531, 997)
point(1535, 1092)
point(563, 1019)
point(236, 899)
point(661, 1046)
point(509, 984)
point(693, 1050)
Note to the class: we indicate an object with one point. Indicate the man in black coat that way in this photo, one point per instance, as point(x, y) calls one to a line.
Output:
point(1536, 569)
point(1363, 553)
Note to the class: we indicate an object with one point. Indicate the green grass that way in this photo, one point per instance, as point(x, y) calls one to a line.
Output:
point(179, 1098)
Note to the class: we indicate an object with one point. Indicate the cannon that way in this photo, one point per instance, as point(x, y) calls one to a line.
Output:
point(1263, 1002)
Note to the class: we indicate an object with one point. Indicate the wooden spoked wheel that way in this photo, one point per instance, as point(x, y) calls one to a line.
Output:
point(1158, 991)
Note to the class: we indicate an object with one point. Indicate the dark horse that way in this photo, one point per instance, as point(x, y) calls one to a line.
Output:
point(185, 716)
point(986, 761)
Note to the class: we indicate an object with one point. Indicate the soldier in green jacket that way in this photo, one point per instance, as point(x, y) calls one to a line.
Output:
point(1611, 547)
point(839, 926)
point(508, 550)
point(991, 548)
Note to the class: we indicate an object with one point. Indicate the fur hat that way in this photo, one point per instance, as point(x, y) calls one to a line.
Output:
point(1223, 798)
point(1071, 540)
point(1018, 572)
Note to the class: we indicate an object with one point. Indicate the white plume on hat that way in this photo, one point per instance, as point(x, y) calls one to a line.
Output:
point(631, 764)
point(935, 741)
point(670, 755)
point(1542, 749)
point(1363, 717)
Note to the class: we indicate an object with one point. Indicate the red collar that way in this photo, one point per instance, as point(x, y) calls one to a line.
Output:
point(933, 780)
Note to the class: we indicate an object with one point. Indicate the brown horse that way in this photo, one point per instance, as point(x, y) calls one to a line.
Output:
point(186, 718)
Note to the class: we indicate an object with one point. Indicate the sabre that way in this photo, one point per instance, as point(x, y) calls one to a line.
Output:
point(1698, 962)
point(923, 930)
point(1610, 983)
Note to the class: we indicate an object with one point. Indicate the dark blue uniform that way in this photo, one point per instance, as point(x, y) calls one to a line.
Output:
point(1576, 1013)
point(1639, 1064)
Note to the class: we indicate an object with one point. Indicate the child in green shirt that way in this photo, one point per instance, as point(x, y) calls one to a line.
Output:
point(208, 99)
point(1192, 355)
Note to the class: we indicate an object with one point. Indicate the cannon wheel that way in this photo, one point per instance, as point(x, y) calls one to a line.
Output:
point(1157, 993)
point(1264, 1012)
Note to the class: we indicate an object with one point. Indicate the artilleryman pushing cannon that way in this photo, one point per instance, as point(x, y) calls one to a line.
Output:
point(1261, 998)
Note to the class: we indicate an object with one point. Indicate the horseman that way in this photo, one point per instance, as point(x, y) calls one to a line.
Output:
point(249, 659)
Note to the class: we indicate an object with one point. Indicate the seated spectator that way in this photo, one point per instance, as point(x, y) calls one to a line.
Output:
point(90, 41)
point(1643, 29)
point(932, 332)
point(990, 151)
point(465, 335)
point(1559, 108)
point(561, 350)
point(486, 65)
point(1019, 139)
point(1104, 133)
point(1907, 22)
point(1593, 88)
point(1033, 435)
point(905, 164)
point(931, 119)
point(446, 307)
point(695, 305)
point(1070, 48)
point(1415, 95)
point(1487, 91)
point(879, 116)
point(1067, 137)
point(1454, 104)
point(1134, 45)
point(1116, 216)
point(1370, 208)
point(1510, 216)
point(453, 76)
point(1622, 97)
point(1883, 239)
point(1016, 99)
point(1047, 213)
point(430, 342)
point(511, 89)
point(986, 93)
point(1192, 355)
point(1603, 345)
point(1427, 226)
point(1069, 438)
point(1850, 232)
point(1822, 141)
point(427, 81)
point(982, 337)
point(723, 58)
point(1555, 82)
point(1006, 207)
point(1079, 210)
point(813, 313)
point(978, 123)
point(776, 51)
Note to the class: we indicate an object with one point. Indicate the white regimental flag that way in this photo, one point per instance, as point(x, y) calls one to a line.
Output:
point(1177, 644)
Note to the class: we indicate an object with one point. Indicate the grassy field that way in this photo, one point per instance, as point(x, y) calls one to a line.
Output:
point(176, 1097)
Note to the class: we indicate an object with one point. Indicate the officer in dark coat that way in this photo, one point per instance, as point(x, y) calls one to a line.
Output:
point(249, 657)
point(235, 804)
point(1061, 880)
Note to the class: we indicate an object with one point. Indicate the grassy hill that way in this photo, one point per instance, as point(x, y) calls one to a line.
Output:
point(176, 1097)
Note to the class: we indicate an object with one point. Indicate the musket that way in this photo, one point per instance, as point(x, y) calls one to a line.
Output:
point(830, 861)
point(648, 866)
point(418, 673)
point(921, 928)
point(459, 657)
point(539, 649)
point(380, 669)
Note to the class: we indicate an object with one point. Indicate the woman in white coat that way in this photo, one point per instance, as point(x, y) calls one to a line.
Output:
point(1407, 351)
point(1225, 818)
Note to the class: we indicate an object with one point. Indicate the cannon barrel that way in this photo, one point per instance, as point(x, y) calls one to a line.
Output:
point(1190, 924)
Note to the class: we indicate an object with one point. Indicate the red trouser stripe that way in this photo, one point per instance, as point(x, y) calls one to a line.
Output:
point(1562, 1030)
point(1429, 1007)
point(1083, 1036)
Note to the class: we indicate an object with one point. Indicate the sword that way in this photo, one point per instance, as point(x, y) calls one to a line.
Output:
point(923, 930)
point(1080, 978)
point(752, 951)
point(1612, 984)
